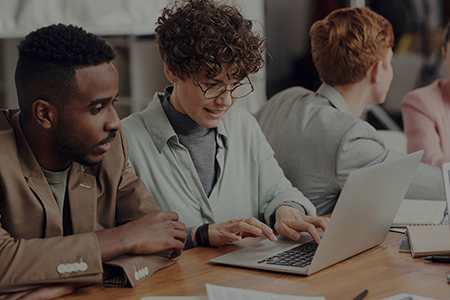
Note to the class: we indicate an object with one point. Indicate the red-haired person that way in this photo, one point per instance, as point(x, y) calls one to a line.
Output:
point(319, 138)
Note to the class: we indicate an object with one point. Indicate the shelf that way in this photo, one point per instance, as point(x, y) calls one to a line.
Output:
point(127, 26)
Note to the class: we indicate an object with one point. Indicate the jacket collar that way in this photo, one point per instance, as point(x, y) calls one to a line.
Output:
point(36, 180)
point(334, 97)
point(28, 161)
point(81, 189)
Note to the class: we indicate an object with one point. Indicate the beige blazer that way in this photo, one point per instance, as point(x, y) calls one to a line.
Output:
point(33, 250)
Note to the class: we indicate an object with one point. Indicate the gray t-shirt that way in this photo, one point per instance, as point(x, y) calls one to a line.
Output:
point(58, 183)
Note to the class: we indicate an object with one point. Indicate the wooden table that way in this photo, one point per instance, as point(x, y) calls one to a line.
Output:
point(382, 270)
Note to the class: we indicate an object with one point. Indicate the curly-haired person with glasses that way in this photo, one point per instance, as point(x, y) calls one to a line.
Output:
point(198, 153)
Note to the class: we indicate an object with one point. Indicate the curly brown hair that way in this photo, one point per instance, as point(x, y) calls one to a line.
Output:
point(202, 35)
point(348, 42)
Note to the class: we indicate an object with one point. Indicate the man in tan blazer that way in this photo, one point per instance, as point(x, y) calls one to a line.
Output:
point(72, 211)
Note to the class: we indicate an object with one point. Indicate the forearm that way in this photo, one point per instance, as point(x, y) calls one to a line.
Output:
point(113, 242)
point(55, 255)
point(293, 204)
point(275, 189)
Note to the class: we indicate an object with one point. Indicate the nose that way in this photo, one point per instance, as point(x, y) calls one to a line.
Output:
point(113, 122)
point(225, 99)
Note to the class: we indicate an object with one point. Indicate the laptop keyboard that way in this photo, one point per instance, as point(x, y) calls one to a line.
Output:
point(299, 256)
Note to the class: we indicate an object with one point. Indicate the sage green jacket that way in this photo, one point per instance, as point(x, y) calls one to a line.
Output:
point(250, 182)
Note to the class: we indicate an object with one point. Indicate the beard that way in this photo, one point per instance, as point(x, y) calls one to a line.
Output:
point(73, 147)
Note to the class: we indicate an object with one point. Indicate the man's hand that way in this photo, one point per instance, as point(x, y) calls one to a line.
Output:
point(236, 229)
point(154, 232)
point(290, 222)
point(44, 293)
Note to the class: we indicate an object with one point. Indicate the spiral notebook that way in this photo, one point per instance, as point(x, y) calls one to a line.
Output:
point(428, 240)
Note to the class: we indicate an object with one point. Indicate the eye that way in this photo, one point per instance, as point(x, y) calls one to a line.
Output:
point(97, 109)
point(216, 86)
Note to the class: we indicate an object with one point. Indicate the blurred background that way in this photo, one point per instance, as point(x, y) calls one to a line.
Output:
point(128, 26)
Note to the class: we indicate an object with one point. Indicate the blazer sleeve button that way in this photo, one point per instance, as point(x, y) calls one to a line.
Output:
point(83, 266)
point(61, 269)
point(69, 268)
point(76, 267)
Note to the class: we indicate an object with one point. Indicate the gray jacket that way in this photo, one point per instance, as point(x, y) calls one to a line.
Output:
point(317, 143)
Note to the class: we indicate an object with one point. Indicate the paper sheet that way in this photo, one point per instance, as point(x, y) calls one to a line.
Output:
point(216, 292)
point(404, 296)
point(175, 298)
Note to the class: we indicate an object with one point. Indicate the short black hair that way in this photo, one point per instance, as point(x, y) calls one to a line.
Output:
point(48, 59)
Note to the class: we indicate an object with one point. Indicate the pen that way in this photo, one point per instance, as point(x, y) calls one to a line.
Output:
point(442, 259)
point(360, 296)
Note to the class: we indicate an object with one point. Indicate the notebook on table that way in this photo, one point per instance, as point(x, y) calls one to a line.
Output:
point(432, 239)
point(429, 240)
point(420, 212)
point(360, 220)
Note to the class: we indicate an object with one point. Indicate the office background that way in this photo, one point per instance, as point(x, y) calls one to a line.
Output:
point(128, 26)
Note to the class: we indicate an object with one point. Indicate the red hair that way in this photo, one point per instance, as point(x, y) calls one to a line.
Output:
point(348, 42)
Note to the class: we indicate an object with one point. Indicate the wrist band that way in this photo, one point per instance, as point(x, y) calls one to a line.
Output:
point(201, 236)
point(198, 238)
point(205, 235)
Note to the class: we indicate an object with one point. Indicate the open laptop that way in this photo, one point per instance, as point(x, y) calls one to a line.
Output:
point(360, 220)
point(446, 175)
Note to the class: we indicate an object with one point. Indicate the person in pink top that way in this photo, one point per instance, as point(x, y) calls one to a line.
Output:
point(426, 115)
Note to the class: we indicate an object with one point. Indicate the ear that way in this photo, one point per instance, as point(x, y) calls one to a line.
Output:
point(170, 75)
point(44, 113)
point(375, 71)
point(443, 53)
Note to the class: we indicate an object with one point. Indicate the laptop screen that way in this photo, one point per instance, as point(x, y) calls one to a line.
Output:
point(446, 175)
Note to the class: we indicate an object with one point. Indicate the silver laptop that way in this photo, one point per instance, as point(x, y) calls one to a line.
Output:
point(446, 175)
point(360, 220)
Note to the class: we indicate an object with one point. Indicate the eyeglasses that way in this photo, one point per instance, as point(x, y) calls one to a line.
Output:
point(216, 89)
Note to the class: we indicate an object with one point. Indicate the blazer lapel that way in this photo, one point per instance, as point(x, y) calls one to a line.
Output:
point(82, 196)
point(41, 189)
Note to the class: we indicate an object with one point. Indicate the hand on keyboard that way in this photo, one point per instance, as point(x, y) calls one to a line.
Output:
point(236, 229)
point(290, 222)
